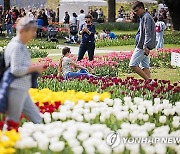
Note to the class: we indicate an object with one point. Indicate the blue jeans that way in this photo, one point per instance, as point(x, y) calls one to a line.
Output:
point(160, 40)
point(90, 47)
point(79, 73)
point(9, 29)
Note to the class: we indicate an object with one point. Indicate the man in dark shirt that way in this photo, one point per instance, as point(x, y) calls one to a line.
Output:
point(88, 40)
point(67, 18)
point(45, 18)
point(8, 22)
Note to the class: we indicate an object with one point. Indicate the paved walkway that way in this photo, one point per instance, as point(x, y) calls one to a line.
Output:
point(74, 50)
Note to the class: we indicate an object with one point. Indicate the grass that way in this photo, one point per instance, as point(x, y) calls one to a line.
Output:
point(131, 47)
point(159, 73)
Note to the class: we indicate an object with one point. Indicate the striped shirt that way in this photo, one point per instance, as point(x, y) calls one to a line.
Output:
point(18, 57)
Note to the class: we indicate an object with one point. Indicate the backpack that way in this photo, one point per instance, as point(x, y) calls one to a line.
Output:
point(158, 28)
point(2, 65)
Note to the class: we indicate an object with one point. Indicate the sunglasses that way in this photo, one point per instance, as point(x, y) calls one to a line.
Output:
point(88, 22)
point(136, 10)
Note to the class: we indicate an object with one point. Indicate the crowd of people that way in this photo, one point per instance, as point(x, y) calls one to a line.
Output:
point(9, 18)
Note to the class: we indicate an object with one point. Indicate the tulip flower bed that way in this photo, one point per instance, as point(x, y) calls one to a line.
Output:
point(113, 64)
point(41, 97)
point(83, 127)
point(116, 86)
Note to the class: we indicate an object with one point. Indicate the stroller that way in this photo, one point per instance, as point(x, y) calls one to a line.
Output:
point(52, 33)
point(73, 37)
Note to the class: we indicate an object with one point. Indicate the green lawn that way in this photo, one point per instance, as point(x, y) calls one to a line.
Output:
point(131, 47)
point(159, 73)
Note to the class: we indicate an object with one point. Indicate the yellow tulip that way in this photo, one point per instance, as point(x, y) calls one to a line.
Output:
point(46, 95)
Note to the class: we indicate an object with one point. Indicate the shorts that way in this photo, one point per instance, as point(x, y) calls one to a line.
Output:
point(139, 59)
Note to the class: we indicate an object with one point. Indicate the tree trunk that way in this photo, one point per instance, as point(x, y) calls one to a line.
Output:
point(173, 6)
point(111, 10)
point(6, 5)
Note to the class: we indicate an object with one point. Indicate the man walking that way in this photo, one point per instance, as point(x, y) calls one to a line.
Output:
point(145, 41)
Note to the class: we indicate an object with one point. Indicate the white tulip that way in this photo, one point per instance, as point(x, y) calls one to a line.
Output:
point(77, 150)
point(162, 119)
point(47, 120)
point(165, 102)
point(149, 149)
point(98, 135)
point(79, 118)
point(175, 124)
point(73, 143)
point(102, 119)
point(87, 117)
point(150, 110)
point(132, 117)
point(134, 148)
point(167, 112)
point(86, 111)
point(127, 99)
point(119, 148)
point(157, 101)
point(93, 116)
point(108, 101)
point(104, 148)
point(125, 108)
point(146, 117)
point(133, 107)
point(140, 116)
point(96, 98)
point(55, 116)
point(68, 114)
point(119, 117)
point(117, 101)
point(83, 136)
point(141, 109)
point(57, 146)
point(177, 149)
point(90, 150)
point(176, 118)
point(160, 148)
point(43, 145)
point(54, 139)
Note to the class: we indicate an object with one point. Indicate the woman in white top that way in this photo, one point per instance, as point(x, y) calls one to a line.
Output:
point(74, 19)
point(66, 63)
point(18, 57)
point(160, 28)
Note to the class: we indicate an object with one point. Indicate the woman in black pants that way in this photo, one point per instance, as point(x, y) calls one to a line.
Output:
point(88, 40)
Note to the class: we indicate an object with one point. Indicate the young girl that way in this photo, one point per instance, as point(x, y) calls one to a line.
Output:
point(66, 63)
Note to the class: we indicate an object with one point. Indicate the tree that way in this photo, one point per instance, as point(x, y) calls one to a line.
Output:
point(6, 5)
point(174, 10)
point(111, 10)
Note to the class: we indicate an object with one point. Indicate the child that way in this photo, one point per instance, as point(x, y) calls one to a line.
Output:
point(65, 66)
point(160, 27)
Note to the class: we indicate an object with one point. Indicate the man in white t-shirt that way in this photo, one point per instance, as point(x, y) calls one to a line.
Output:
point(81, 19)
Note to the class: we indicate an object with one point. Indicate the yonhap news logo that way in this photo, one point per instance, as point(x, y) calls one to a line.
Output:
point(114, 139)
